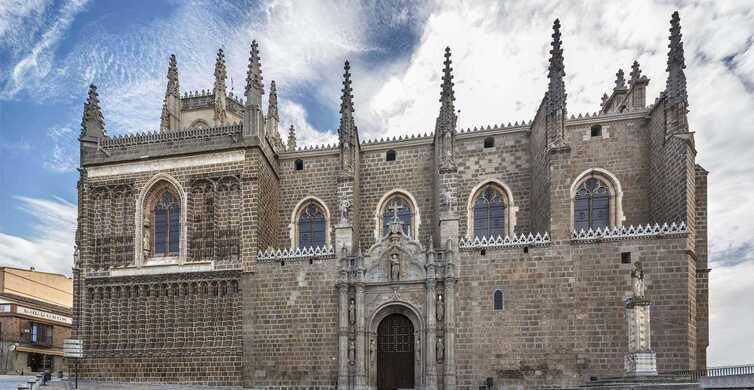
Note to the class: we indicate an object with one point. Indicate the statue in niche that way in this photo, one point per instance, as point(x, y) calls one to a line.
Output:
point(343, 205)
point(447, 199)
point(440, 349)
point(351, 311)
point(395, 267)
point(146, 235)
point(440, 308)
point(351, 352)
point(637, 279)
point(371, 348)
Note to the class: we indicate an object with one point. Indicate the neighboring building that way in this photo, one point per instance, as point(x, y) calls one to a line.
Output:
point(35, 318)
point(212, 252)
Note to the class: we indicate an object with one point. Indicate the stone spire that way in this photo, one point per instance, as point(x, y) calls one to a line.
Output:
point(253, 122)
point(171, 106)
point(675, 88)
point(220, 90)
point(620, 80)
point(445, 126)
point(347, 130)
point(556, 95)
point(291, 139)
point(635, 73)
point(254, 85)
point(272, 116)
point(92, 122)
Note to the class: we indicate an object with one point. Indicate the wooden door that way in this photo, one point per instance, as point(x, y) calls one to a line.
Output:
point(395, 353)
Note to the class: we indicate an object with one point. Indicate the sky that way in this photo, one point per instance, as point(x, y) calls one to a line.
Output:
point(51, 50)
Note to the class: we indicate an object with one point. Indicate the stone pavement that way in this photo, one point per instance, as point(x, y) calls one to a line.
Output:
point(90, 385)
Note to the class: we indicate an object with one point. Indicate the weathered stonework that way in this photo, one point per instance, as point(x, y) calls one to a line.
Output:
point(239, 304)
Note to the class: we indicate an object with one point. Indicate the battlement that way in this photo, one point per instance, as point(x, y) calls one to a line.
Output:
point(152, 137)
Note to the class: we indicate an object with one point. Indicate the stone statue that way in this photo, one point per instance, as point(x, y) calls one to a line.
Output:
point(440, 308)
point(351, 352)
point(637, 279)
point(440, 349)
point(343, 206)
point(352, 312)
point(146, 234)
point(395, 267)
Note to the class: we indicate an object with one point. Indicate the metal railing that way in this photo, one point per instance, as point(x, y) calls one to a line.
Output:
point(746, 369)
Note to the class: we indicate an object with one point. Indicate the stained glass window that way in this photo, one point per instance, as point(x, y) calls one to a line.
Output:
point(311, 226)
point(489, 213)
point(167, 225)
point(397, 205)
point(592, 205)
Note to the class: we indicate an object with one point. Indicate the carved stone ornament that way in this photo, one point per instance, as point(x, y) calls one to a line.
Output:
point(351, 312)
point(637, 279)
point(395, 267)
point(440, 308)
point(344, 205)
point(440, 349)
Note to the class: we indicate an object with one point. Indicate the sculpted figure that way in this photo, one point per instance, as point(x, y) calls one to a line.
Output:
point(395, 267)
point(344, 205)
point(440, 349)
point(352, 352)
point(351, 312)
point(440, 308)
point(637, 279)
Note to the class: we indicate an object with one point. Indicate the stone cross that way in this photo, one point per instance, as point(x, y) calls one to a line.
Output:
point(395, 207)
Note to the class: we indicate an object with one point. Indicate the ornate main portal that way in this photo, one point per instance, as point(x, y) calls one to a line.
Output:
point(396, 306)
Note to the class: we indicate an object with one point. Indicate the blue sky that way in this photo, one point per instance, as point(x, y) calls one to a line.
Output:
point(51, 50)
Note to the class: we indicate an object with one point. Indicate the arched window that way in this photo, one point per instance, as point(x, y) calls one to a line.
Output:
point(400, 207)
point(311, 226)
point(166, 231)
point(591, 208)
point(497, 300)
point(490, 212)
point(199, 124)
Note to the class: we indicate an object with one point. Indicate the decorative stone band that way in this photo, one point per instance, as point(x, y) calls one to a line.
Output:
point(630, 232)
point(173, 135)
point(295, 254)
point(505, 242)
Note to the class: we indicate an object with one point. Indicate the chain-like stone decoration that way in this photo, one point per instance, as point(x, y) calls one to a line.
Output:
point(505, 242)
point(630, 232)
point(156, 137)
point(296, 254)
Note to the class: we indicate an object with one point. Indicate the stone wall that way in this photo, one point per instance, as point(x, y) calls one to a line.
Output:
point(562, 320)
point(169, 328)
point(540, 173)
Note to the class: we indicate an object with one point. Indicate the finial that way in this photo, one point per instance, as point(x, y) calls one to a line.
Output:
point(556, 71)
point(291, 138)
point(635, 72)
point(92, 122)
point(447, 95)
point(272, 109)
point(604, 99)
point(347, 126)
point(173, 88)
point(620, 80)
point(675, 87)
point(254, 84)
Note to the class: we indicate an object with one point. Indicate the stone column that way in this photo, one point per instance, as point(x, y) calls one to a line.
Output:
point(640, 359)
point(431, 356)
point(450, 332)
point(361, 339)
point(343, 335)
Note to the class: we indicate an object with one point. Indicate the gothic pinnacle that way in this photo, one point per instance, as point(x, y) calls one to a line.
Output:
point(620, 80)
point(675, 87)
point(291, 138)
point(92, 122)
point(220, 72)
point(556, 71)
point(346, 106)
point(635, 72)
point(272, 108)
point(254, 86)
point(172, 88)
point(447, 95)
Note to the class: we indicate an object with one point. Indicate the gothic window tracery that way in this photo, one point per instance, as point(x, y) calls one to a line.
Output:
point(398, 206)
point(489, 212)
point(214, 219)
point(591, 208)
point(166, 230)
point(311, 225)
point(113, 213)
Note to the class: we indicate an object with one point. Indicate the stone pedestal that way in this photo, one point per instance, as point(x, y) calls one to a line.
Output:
point(640, 364)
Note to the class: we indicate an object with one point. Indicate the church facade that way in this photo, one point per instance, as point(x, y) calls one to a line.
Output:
point(215, 252)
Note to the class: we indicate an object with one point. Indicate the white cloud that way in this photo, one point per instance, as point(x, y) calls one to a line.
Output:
point(292, 113)
point(63, 158)
point(732, 314)
point(37, 63)
point(51, 246)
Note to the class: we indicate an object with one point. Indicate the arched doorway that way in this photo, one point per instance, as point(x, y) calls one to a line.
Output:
point(395, 353)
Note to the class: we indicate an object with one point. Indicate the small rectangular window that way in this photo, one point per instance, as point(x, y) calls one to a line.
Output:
point(390, 155)
point(596, 131)
point(299, 165)
point(625, 258)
